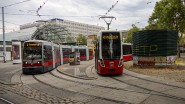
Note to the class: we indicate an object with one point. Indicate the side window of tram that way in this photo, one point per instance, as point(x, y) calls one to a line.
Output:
point(47, 53)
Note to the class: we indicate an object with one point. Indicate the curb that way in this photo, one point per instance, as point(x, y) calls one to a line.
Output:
point(8, 83)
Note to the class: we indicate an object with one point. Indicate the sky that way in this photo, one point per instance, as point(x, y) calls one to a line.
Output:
point(126, 12)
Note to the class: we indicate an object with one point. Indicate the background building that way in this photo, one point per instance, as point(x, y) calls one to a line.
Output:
point(30, 30)
point(75, 28)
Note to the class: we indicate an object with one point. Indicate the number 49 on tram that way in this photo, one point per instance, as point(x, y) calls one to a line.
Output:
point(108, 54)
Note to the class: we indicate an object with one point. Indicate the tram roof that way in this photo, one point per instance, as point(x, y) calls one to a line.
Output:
point(37, 41)
point(110, 31)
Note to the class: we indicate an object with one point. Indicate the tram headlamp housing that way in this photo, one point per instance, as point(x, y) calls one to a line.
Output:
point(38, 62)
point(120, 63)
point(102, 63)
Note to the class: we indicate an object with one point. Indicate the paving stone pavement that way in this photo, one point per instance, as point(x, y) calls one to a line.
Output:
point(37, 95)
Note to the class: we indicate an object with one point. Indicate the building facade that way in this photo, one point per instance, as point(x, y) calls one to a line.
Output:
point(75, 28)
point(27, 30)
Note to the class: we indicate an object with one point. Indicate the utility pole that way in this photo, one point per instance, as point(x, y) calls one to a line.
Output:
point(4, 43)
point(108, 23)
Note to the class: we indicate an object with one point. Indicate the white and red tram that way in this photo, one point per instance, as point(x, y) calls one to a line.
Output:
point(109, 53)
point(40, 56)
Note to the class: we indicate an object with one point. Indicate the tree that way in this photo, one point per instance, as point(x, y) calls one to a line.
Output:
point(168, 14)
point(95, 40)
point(128, 39)
point(182, 41)
point(82, 39)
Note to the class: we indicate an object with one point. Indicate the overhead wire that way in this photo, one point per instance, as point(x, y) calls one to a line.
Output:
point(10, 23)
point(15, 3)
point(41, 6)
point(111, 7)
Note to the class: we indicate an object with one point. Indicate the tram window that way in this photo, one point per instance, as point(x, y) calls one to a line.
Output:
point(66, 52)
point(71, 56)
point(47, 53)
point(127, 49)
point(32, 53)
point(90, 52)
point(82, 52)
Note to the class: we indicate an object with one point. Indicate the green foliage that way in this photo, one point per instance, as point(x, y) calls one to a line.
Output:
point(128, 39)
point(82, 39)
point(168, 14)
point(69, 39)
point(182, 40)
point(95, 40)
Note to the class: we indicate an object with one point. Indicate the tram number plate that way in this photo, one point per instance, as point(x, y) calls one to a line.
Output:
point(111, 64)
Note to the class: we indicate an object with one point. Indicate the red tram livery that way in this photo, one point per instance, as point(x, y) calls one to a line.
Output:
point(127, 51)
point(109, 53)
point(40, 56)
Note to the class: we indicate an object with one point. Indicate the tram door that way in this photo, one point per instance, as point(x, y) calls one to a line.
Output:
point(16, 52)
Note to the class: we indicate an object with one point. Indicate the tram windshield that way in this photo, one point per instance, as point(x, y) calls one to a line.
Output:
point(111, 45)
point(32, 51)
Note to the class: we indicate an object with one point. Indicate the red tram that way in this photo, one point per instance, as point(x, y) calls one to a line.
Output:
point(40, 56)
point(127, 51)
point(84, 53)
point(90, 54)
point(66, 50)
point(109, 53)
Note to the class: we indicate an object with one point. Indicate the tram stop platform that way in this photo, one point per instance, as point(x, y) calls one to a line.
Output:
point(83, 71)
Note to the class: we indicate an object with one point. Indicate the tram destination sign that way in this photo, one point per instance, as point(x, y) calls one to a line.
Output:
point(32, 44)
point(110, 37)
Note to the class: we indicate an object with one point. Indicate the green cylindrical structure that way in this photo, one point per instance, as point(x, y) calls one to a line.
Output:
point(155, 43)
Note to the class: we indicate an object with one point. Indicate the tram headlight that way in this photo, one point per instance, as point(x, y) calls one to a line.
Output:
point(102, 63)
point(26, 62)
point(38, 62)
point(120, 62)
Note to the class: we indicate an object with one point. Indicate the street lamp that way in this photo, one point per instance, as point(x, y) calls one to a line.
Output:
point(3, 25)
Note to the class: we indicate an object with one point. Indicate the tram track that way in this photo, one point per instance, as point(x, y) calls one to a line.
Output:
point(62, 89)
point(96, 85)
point(155, 81)
point(56, 74)
point(6, 101)
point(159, 92)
